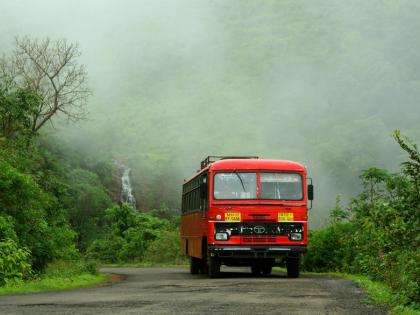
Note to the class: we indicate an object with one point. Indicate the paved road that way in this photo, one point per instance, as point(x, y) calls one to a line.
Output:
point(175, 291)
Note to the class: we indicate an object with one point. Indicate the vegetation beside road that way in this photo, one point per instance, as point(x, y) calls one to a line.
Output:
point(60, 275)
point(378, 235)
point(53, 199)
point(137, 237)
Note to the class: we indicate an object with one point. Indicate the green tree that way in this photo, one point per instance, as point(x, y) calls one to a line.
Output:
point(16, 110)
point(24, 203)
point(86, 200)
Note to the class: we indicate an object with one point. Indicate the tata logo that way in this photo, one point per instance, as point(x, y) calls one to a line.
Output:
point(259, 229)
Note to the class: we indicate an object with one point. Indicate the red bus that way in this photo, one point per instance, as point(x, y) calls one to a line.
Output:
point(245, 211)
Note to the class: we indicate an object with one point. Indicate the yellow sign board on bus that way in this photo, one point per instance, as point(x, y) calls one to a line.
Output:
point(233, 216)
point(285, 216)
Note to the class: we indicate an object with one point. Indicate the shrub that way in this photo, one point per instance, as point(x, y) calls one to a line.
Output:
point(14, 262)
point(38, 222)
point(130, 236)
point(330, 249)
point(165, 249)
point(7, 230)
point(107, 249)
point(70, 268)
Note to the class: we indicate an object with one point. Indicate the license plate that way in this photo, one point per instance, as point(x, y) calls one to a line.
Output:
point(233, 216)
point(285, 216)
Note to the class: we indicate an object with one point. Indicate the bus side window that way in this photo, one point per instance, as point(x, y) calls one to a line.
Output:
point(203, 201)
point(183, 203)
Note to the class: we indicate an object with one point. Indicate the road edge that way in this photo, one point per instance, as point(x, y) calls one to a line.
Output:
point(377, 293)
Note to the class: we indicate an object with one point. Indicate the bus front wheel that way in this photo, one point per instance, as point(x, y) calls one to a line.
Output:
point(214, 267)
point(292, 265)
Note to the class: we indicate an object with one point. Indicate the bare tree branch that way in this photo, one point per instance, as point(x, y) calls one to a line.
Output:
point(49, 67)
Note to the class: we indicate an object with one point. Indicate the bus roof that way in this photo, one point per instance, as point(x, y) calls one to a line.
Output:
point(250, 164)
point(256, 164)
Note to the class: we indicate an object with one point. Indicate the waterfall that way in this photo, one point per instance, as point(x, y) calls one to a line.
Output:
point(126, 189)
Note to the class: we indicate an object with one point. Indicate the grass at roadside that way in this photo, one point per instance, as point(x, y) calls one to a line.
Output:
point(54, 284)
point(60, 275)
point(378, 293)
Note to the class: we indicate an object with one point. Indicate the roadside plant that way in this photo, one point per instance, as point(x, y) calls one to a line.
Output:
point(14, 262)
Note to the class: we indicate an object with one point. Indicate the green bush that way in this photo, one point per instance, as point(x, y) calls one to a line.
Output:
point(14, 262)
point(7, 229)
point(131, 234)
point(17, 107)
point(330, 249)
point(166, 248)
point(25, 203)
point(70, 268)
point(38, 223)
point(107, 249)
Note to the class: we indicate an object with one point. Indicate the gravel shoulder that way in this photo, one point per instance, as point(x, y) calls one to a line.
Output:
point(175, 291)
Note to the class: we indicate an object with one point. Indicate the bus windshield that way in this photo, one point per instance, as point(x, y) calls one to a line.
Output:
point(235, 186)
point(274, 186)
point(284, 186)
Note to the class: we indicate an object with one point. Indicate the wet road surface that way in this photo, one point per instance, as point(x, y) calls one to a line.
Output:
point(175, 291)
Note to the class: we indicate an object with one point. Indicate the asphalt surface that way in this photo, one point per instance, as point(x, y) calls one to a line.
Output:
point(175, 291)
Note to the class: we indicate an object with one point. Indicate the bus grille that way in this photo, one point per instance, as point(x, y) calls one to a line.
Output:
point(257, 229)
point(259, 239)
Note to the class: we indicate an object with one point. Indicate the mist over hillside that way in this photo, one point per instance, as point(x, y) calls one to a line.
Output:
point(320, 82)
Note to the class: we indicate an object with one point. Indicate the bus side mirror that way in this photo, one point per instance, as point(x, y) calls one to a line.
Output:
point(203, 190)
point(310, 192)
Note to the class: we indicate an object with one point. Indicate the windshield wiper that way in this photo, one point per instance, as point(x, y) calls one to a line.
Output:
point(242, 183)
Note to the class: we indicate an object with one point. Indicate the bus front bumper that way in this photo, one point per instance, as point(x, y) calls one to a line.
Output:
point(255, 251)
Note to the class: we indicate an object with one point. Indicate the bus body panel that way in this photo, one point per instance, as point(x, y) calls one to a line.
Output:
point(193, 232)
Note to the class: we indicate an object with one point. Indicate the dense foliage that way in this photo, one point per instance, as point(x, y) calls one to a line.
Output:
point(51, 201)
point(134, 236)
point(16, 108)
point(39, 201)
point(14, 262)
point(379, 234)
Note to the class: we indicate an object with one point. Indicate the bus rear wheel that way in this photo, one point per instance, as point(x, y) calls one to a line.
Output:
point(266, 269)
point(214, 267)
point(194, 265)
point(256, 269)
point(292, 265)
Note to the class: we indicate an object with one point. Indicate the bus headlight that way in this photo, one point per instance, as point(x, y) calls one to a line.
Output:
point(296, 236)
point(221, 236)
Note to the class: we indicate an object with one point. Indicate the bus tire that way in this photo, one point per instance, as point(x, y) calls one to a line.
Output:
point(255, 269)
point(292, 265)
point(214, 267)
point(266, 269)
point(194, 265)
point(204, 267)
